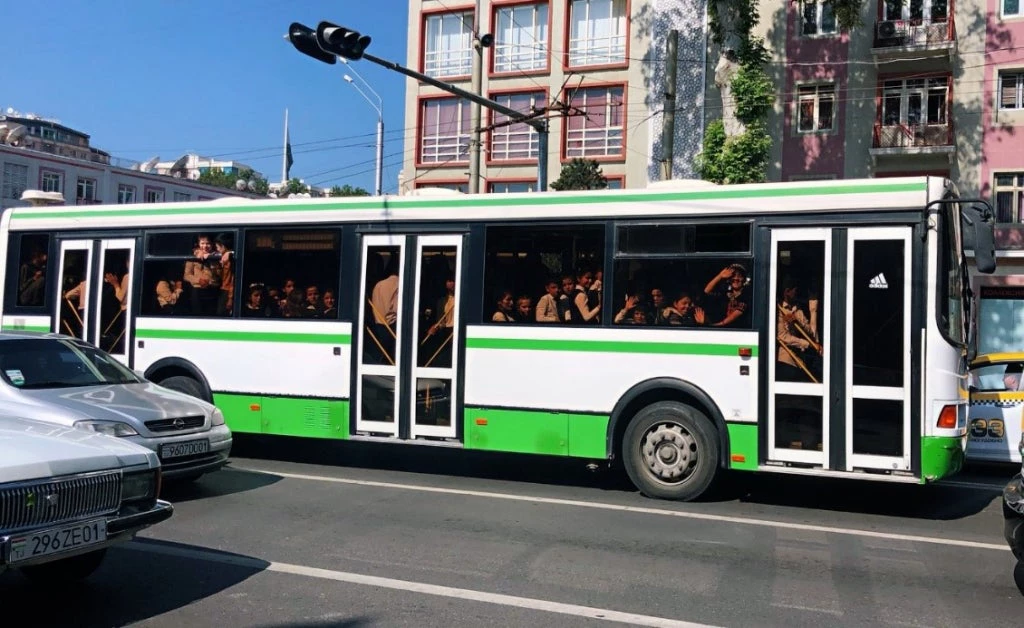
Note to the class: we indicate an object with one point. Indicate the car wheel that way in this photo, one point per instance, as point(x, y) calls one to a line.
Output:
point(670, 451)
point(66, 570)
point(184, 384)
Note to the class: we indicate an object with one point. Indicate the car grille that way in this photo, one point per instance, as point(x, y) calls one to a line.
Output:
point(45, 502)
point(176, 424)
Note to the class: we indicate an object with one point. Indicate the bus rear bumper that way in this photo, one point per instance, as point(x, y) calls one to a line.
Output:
point(941, 456)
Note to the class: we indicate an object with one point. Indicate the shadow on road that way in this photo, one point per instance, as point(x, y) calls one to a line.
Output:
point(215, 485)
point(130, 586)
point(935, 502)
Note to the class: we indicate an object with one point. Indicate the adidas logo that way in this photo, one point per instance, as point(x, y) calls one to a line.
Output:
point(878, 281)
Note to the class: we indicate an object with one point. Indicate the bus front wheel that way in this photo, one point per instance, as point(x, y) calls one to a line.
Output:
point(184, 384)
point(670, 451)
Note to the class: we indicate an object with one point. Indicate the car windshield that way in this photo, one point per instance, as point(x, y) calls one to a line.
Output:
point(998, 377)
point(59, 363)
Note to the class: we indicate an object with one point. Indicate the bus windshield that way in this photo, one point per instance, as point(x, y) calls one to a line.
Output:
point(953, 297)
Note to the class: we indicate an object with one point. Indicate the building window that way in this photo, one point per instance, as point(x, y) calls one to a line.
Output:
point(815, 108)
point(1009, 196)
point(615, 183)
point(15, 181)
point(510, 142)
point(918, 11)
point(86, 190)
point(444, 131)
point(1012, 8)
point(181, 197)
point(448, 44)
point(1011, 90)
point(50, 181)
point(599, 133)
point(511, 187)
point(125, 194)
point(154, 195)
point(457, 186)
point(915, 102)
point(521, 37)
point(597, 32)
point(817, 18)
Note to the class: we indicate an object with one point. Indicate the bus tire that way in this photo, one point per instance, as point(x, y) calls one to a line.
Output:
point(670, 451)
point(184, 384)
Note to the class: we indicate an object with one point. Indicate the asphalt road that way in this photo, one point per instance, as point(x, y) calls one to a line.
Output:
point(430, 537)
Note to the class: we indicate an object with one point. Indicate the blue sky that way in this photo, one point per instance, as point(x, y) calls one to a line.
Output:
point(163, 77)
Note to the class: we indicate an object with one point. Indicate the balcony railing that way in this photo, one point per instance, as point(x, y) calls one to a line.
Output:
point(912, 136)
point(918, 35)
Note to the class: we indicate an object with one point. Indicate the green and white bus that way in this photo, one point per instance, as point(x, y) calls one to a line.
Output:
point(818, 328)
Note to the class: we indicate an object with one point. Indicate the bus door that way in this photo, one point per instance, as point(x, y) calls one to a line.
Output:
point(839, 392)
point(409, 337)
point(98, 316)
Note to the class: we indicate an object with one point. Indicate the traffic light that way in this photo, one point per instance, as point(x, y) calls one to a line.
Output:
point(341, 41)
point(305, 41)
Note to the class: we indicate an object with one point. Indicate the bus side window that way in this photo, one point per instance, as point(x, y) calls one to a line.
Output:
point(32, 270)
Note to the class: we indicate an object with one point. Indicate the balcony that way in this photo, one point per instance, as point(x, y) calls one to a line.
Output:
point(914, 39)
point(920, 139)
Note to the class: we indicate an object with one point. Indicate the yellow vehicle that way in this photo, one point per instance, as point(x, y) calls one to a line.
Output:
point(996, 413)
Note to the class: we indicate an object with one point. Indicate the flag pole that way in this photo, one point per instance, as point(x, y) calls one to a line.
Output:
point(284, 155)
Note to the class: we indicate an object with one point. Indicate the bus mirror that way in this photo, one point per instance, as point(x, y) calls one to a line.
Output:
point(979, 235)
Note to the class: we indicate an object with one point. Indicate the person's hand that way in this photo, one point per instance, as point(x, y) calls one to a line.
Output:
point(698, 315)
point(630, 302)
point(726, 273)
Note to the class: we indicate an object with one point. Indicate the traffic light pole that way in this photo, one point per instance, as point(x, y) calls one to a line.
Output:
point(539, 125)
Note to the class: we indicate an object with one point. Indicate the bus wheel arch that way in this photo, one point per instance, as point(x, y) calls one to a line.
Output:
point(181, 375)
point(691, 418)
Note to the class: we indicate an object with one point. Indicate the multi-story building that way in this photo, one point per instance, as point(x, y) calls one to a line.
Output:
point(51, 157)
point(191, 166)
point(597, 64)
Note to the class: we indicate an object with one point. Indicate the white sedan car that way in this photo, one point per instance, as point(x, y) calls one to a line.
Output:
point(67, 494)
point(51, 377)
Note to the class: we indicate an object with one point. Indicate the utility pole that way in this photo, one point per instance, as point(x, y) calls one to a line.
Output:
point(474, 112)
point(330, 41)
point(668, 130)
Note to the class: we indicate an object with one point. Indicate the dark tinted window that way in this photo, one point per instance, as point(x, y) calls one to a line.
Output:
point(676, 239)
point(189, 274)
point(291, 274)
point(31, 289)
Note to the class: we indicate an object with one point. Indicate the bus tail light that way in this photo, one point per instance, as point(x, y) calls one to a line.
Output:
point(947, 418)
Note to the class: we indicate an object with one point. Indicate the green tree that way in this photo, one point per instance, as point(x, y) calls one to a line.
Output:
point(347, 190)
point(736, 147)
point(294, 186)
point(580, 174)
point(218, 178)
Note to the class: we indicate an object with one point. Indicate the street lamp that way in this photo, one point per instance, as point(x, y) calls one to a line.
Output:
point(379, 106)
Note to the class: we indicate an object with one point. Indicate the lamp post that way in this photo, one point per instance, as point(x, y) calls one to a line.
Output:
point(379, 106)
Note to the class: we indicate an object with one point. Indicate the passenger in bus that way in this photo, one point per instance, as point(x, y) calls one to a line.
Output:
point(683, 312)
point(445, 308)
point(585, 306)
point(168, 293)
point(330, 307)
point(203, 274)
point(294, 306)
point(524, 309)
point(547, 305)
point(565, 299)
point(503, 313)
point(312, 308)
point(383, 310)
point(625, 315)
point(657, 306)
point(286, 291)
point(226, 300)
point(32, 279)
point(799, 353)
point(254, 306)
point(737, 309)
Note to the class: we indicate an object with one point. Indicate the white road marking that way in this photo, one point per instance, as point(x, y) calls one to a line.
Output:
point(639, 510)
point(589, 612)
point(993, 486)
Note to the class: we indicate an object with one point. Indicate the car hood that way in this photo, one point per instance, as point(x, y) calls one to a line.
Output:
point(37, 449)
point(128, 403)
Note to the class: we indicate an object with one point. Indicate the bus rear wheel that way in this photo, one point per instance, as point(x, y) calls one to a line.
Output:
point(670, 451)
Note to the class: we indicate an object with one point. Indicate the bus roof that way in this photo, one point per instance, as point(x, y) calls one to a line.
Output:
point(852, 195)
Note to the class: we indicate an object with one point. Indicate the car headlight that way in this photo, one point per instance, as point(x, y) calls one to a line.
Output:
point(217, 417)
point(110, 428)
point(139, 486)
point(1013, 495)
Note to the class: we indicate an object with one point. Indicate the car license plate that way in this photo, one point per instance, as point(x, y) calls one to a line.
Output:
point(186, 448)
point(55, 540)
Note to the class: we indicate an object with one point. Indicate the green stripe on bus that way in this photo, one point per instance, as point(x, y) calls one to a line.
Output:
point(941, 457)
point(244, 336)
point(260, 207)
point(284, 416)
point(536, 432)
point(40, 328)
point(608, 346)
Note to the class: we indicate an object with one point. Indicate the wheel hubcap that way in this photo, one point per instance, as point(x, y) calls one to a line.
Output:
point(669, 452)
